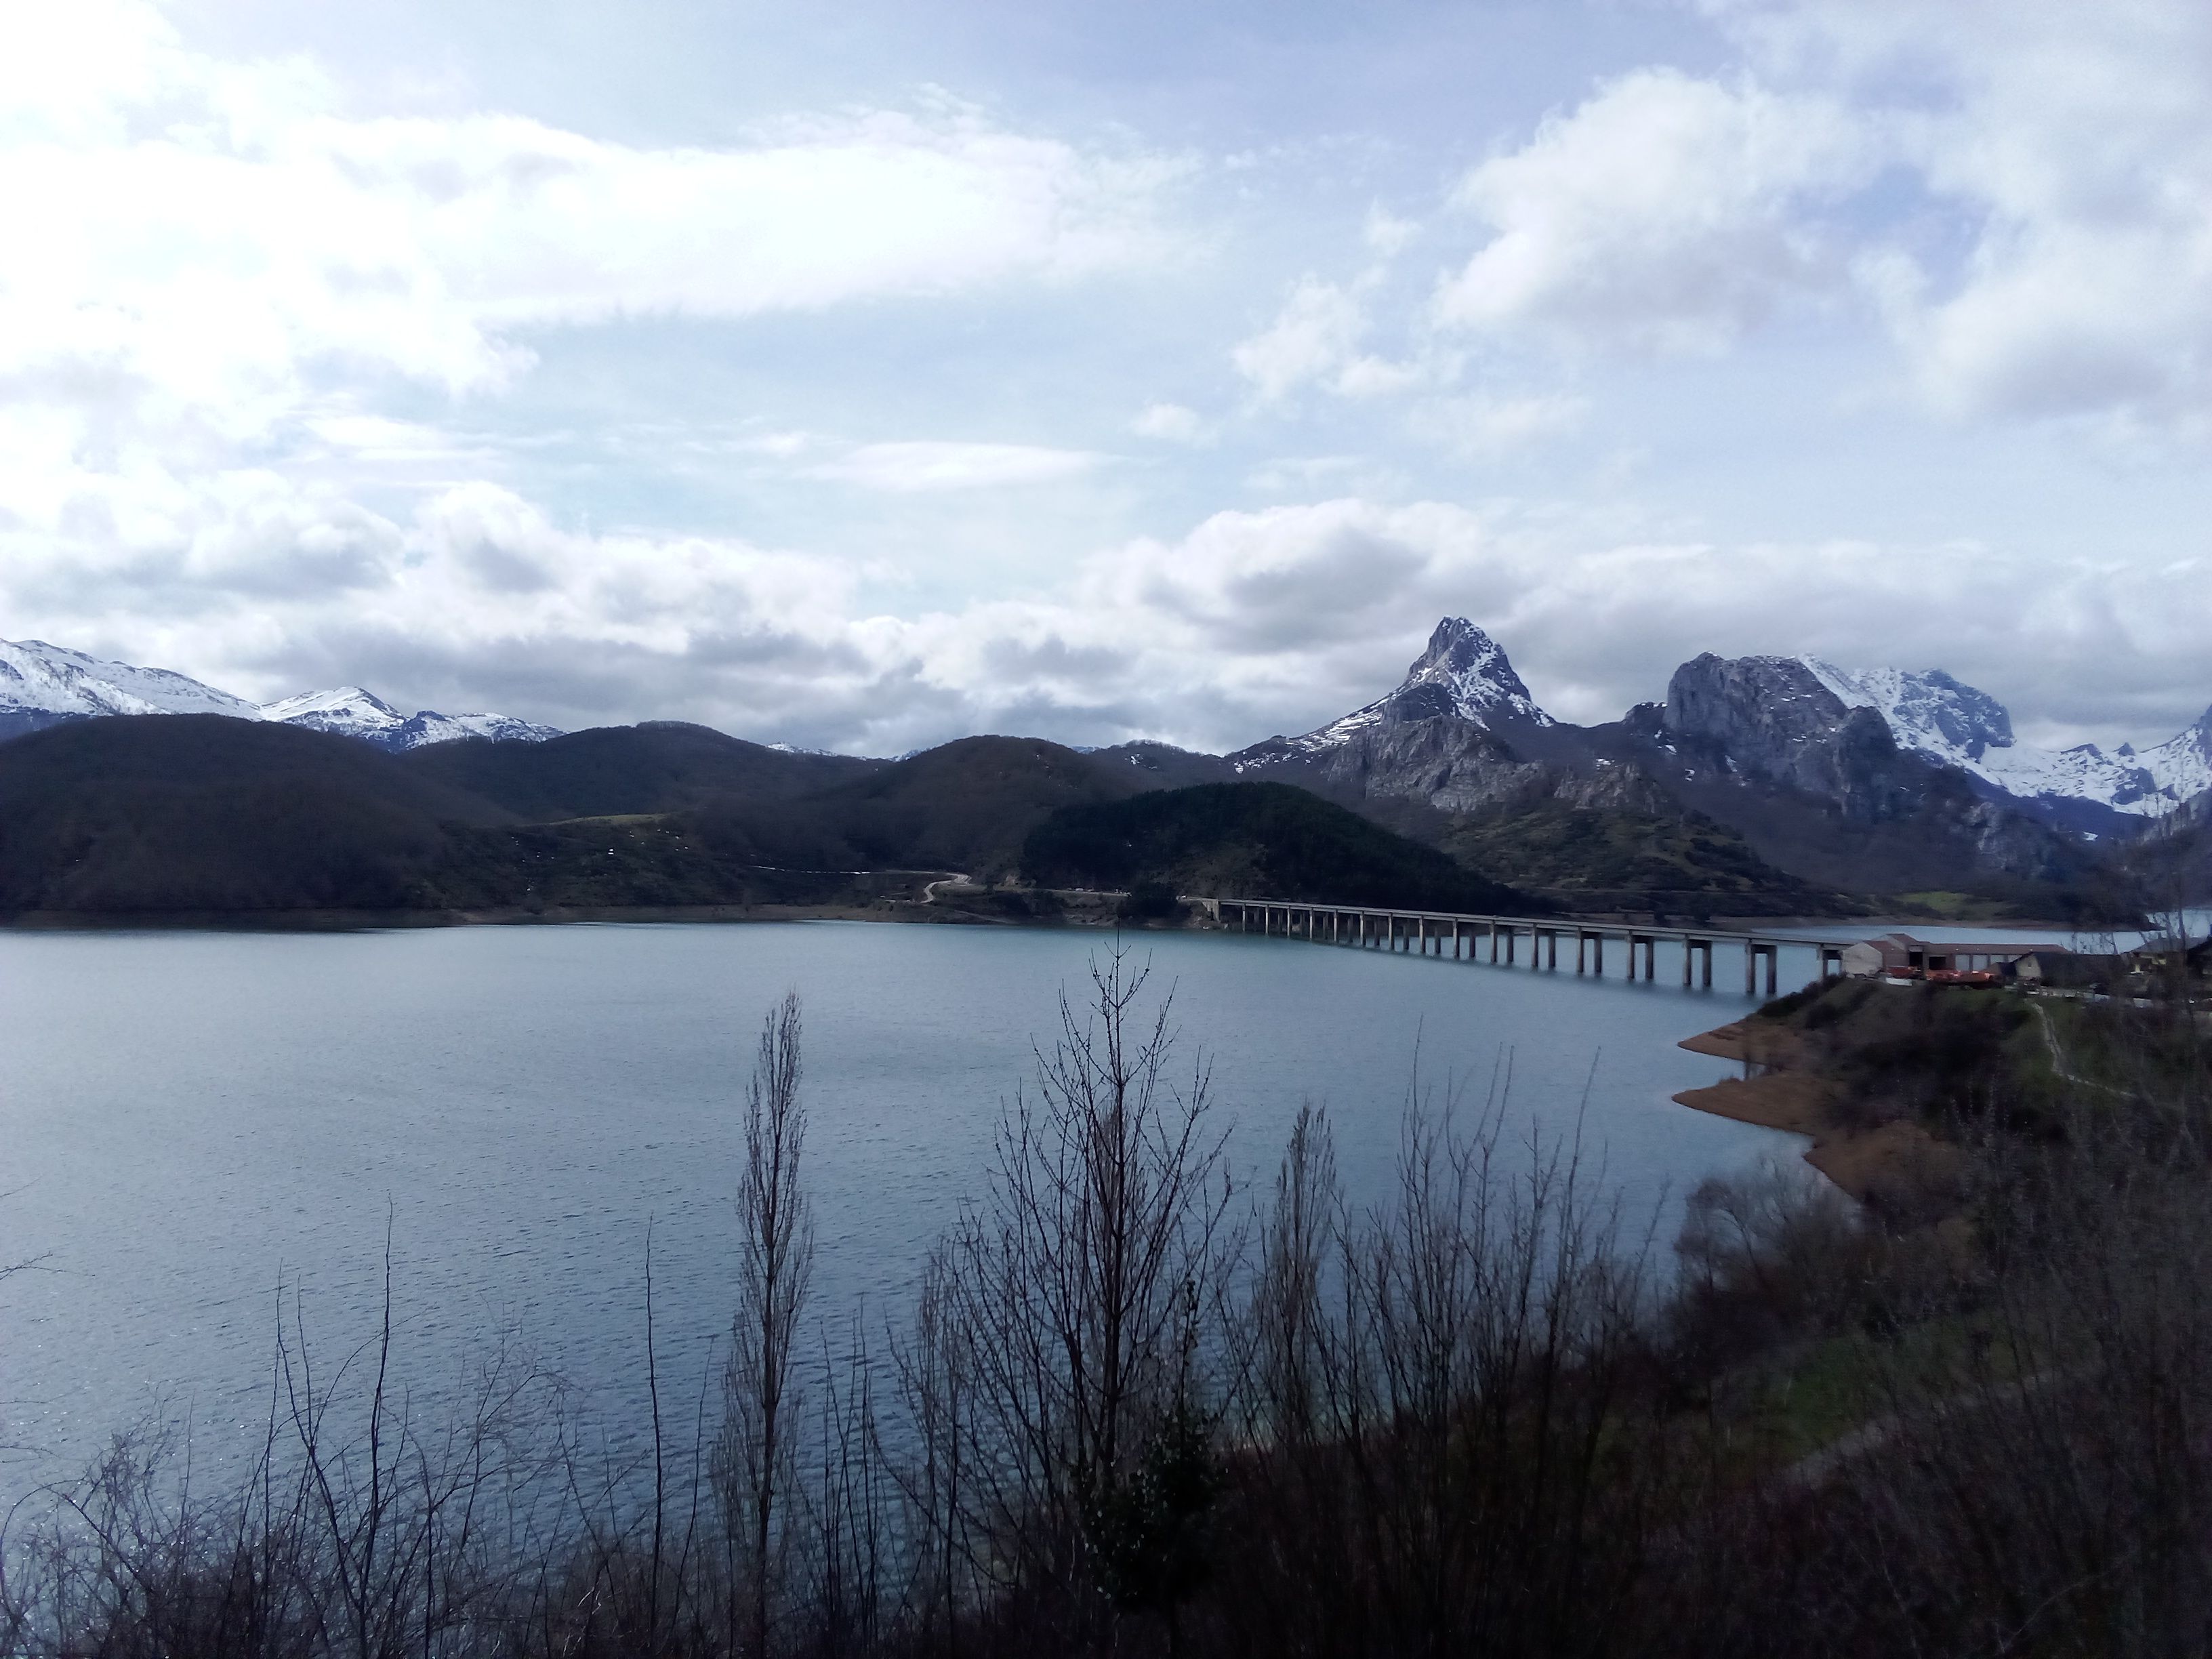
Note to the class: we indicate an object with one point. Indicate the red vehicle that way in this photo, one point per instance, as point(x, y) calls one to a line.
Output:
point(1978, 978)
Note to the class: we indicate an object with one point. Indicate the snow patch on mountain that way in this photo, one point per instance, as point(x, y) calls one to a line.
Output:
point(346, 709)
point(1957, 725)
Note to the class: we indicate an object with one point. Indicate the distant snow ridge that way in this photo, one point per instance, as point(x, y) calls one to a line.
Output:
point(41, 683)
point(1956, 725)
point(352, 712)
point(1463, 674)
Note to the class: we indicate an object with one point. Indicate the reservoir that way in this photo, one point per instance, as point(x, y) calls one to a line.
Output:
point(198, 1128)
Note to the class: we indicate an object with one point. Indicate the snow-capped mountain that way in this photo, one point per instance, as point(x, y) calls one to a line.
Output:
point(53, 682)
point(1441, 736)
point(1462, 674)
point(43, 684)
point(352, 712)
point(1956, 725)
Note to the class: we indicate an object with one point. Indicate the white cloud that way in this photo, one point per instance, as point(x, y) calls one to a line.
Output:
point(192, 243)
point(912, 466)
point(1483, 425)
point(1315, 340)
point(1387, 235)
point(1250, 622)
point(1666, 212)
point(2073, 145)
point(1172, 424)
point(2022, 194)
point(1317, 331)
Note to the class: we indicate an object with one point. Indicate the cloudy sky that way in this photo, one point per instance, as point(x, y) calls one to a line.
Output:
point(863, 375)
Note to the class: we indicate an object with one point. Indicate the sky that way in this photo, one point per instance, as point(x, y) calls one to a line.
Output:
point(861, 376)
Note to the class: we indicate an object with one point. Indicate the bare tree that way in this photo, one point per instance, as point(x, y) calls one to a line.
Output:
point(934, 1373)
point(1286, 1322)
point(1082, 1284)
point(776, 1223)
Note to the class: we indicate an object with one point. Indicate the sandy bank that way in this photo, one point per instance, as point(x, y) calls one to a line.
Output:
point(1895, 1157)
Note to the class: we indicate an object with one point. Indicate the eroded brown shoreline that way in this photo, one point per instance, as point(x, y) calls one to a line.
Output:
point(1783, 1096)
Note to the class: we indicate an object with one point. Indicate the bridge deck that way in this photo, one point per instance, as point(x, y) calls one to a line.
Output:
point(1427, 930)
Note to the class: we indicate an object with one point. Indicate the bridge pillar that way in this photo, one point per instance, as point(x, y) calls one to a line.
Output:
point(1632, 958)
point(1773, 967)
point(1750, 968)
point(1597, 955)
point(1551, 950)
point(1708, 981)
point(1650, 960)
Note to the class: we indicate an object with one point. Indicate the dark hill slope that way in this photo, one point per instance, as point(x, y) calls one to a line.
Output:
point(1616, 859)
point(201, 812)
point(662, 766)
point(965, 805)
point(1253, 839)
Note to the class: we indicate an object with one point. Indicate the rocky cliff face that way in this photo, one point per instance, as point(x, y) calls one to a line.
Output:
point(1770, 720)
point(1766, 729)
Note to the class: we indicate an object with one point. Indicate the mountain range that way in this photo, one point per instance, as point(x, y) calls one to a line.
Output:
point(43, 685)
point(1760, 786)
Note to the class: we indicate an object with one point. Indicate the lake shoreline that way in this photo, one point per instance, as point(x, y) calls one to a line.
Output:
point(1780, 1089)
point(356, 922)
point(339, 921)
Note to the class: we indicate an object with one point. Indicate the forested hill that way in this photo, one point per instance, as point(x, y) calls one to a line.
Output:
point(202, 814)
point(661, 766)
point(1257, 839)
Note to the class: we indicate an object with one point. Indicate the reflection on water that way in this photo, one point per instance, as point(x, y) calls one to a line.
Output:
point(189, 1122)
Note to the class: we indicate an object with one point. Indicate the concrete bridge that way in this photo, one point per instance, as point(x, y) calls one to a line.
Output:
point(1466, 937)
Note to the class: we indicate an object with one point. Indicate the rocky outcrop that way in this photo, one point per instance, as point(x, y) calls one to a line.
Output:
point(1770, 720)
point(1453, 765)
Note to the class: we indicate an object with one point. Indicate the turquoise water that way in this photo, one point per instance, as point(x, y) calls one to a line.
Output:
point(192, 1121)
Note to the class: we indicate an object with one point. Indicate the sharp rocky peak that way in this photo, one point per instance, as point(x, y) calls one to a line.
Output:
point(1462, 674)
point(1472, 671)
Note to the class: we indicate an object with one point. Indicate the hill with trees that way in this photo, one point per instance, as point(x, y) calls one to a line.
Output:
point(1270, 839)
